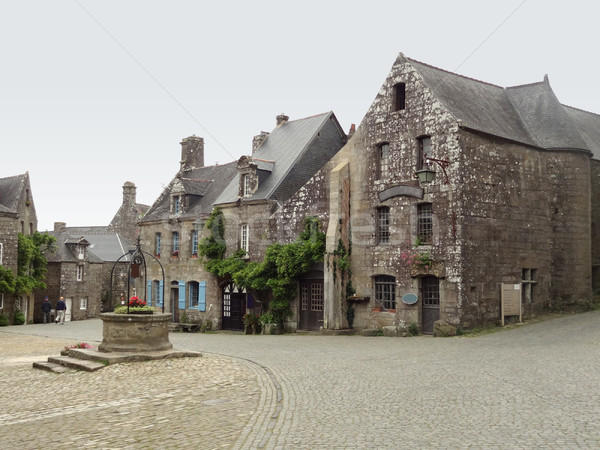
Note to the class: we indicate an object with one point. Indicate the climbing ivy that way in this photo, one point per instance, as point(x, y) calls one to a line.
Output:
point(31, 262)
point(273, 279)
point(341, 263)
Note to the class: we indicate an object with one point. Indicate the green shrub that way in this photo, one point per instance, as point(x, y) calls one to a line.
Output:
point(413, 329)
point(19, 318)
point(3, 320)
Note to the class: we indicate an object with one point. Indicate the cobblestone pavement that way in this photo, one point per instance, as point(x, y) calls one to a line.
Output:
point(531, 386)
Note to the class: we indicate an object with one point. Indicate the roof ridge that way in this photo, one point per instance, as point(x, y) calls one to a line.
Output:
point(525, 85)
point(580, 109)
point(456, 74)
point(309, 117)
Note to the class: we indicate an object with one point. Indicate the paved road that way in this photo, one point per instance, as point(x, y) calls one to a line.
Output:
point(534, 386)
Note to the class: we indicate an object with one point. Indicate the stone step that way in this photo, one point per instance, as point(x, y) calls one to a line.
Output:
point(51, 367)
point(75, 363)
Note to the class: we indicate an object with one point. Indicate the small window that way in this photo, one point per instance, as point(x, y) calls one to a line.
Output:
point(176, 204)
point(157, 244)
point(528, 281)
point(383, 161)
point(194, 298)
point(399, 96)
point(424, 223)
point(83, 303)
point(244, 241)
point(424, 151)
point(382, 234)
point(80, 273)
point(175, 242)
point(156, 293)
point(385, 291)
point(30, 228)
point(246, 185)
point(1, 248)
point(194, 243)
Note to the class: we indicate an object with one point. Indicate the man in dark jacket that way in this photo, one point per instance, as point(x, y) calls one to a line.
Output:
point(61, 308)
point(46, 308)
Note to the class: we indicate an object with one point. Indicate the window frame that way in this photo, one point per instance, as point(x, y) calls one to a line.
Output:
point(399, 100)
point(193, 294)
point(1, 252)
point(423, 150)
point(425, 223)
point(246, 185)
point(80, 271)
point(383, 160)
point(157, 243)
point(245, 238)
point(175, 242)
point(83, 303)
point(382, 225)
point(385, 297)
point(194, 243)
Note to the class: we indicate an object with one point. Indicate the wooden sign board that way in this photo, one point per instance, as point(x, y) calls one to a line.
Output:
point(510, 301)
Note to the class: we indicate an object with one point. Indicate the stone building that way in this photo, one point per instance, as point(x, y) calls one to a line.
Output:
point(170, 232)
point(267, 183)
point(451, 187)
point(88, 258)
point(17, 215)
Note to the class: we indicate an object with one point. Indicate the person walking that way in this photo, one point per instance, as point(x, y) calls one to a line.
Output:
point(61, 308)
point(46, 308)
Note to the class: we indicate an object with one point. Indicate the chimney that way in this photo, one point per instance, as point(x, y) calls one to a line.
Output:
point(59, 226)
point(129, 193)
point(192, 153)
point(352, 130)
point(281, 119)
point(259, 140)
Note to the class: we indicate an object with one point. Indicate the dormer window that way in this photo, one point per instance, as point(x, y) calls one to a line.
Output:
point(177, 204)
point(80, 252)
point(246, 185)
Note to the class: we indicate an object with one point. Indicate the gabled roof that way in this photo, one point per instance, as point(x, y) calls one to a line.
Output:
point(203, 185)
point(530, 114)
point(292, 153)
point(10, 191)
point(104, 246)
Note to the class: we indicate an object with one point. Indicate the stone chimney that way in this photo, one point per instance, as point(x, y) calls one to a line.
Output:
point(129, 193)
point(59, 226)
point(192, 153)
point(281, 119)
point(351, 131)
point(259, 140)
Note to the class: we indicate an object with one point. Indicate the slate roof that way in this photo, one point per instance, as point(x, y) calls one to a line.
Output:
point(530, 114)
point(202, 185)
point(290, 155)
point(10, 191)
point(105, 246)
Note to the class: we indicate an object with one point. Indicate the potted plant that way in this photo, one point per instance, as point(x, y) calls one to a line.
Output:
point(136, 306)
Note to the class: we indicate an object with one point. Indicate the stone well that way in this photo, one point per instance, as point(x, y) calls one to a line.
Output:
point(135, 332)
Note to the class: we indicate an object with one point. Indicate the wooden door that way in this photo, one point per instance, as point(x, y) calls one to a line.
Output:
point(430, 291)
point(311, 305)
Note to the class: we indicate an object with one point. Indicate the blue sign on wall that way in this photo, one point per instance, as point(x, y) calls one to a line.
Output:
point(410, 299)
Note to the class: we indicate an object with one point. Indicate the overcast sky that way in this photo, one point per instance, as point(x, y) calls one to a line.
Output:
point(96, 93)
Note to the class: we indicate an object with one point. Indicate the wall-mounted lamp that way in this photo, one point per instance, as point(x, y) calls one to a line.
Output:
point(427, 175)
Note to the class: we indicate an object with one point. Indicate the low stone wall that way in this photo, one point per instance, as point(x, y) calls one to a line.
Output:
point(135, 332)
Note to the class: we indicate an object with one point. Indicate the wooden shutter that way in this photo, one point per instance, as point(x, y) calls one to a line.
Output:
point(202, 296)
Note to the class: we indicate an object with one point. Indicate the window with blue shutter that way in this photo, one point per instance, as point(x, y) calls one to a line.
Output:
point(149, 294)
point(160, 293)
point(182, 295)
point(202, 296)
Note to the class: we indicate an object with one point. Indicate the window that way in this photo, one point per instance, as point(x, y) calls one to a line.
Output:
point(80, 252)
point(80, 273)
point(383, 161)
point(175, 242)
point(30, 228)
point(424, 223)
point(83, 303)
point(424, 151)
point(244, 244)
point(157, 244)
point(399, 96)
point(382, 234)
point(246, 186)
point(194, 243)
point(1, 247)
point(177, 207)
point(156, 293)
point(385, 291)
point(193, 294)
point(528, 281)
point(430, 287)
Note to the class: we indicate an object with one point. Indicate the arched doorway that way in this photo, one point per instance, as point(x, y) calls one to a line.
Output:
point(234, 307)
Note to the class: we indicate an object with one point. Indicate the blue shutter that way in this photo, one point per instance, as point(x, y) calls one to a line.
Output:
point(202, 296)
point(160, 293)
point(149, 294)
point(182, 295)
